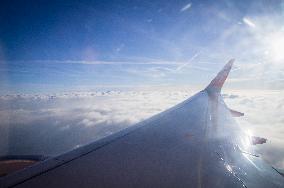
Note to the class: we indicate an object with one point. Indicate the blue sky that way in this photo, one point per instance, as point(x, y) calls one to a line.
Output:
point(63, 45)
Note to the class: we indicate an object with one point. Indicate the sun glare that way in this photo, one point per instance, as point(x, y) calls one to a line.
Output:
point(274, 45)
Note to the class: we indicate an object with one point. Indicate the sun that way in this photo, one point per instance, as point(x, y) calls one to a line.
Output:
point(274, 46)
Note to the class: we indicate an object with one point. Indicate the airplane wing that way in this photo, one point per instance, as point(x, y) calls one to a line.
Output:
point(196, 143)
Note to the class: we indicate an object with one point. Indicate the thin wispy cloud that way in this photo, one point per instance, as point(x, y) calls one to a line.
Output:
point(175, 68)
point(189, 61)
point(179, 67)
point(185, 7)
point(249, 22)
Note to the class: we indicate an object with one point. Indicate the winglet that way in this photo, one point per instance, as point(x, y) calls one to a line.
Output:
point(217, 83)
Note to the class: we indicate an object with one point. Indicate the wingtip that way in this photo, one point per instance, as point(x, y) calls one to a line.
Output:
point(231, 62)
point(217, 83)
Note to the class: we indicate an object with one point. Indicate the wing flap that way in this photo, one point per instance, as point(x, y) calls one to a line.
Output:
point(236, 113)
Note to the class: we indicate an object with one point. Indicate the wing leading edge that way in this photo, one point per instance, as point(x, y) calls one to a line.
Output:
point(196, 143)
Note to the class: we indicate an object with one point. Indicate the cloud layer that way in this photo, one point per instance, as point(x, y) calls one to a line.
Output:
point(52, 124)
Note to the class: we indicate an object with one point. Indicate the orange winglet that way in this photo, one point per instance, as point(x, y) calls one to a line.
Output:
point(217, 83)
